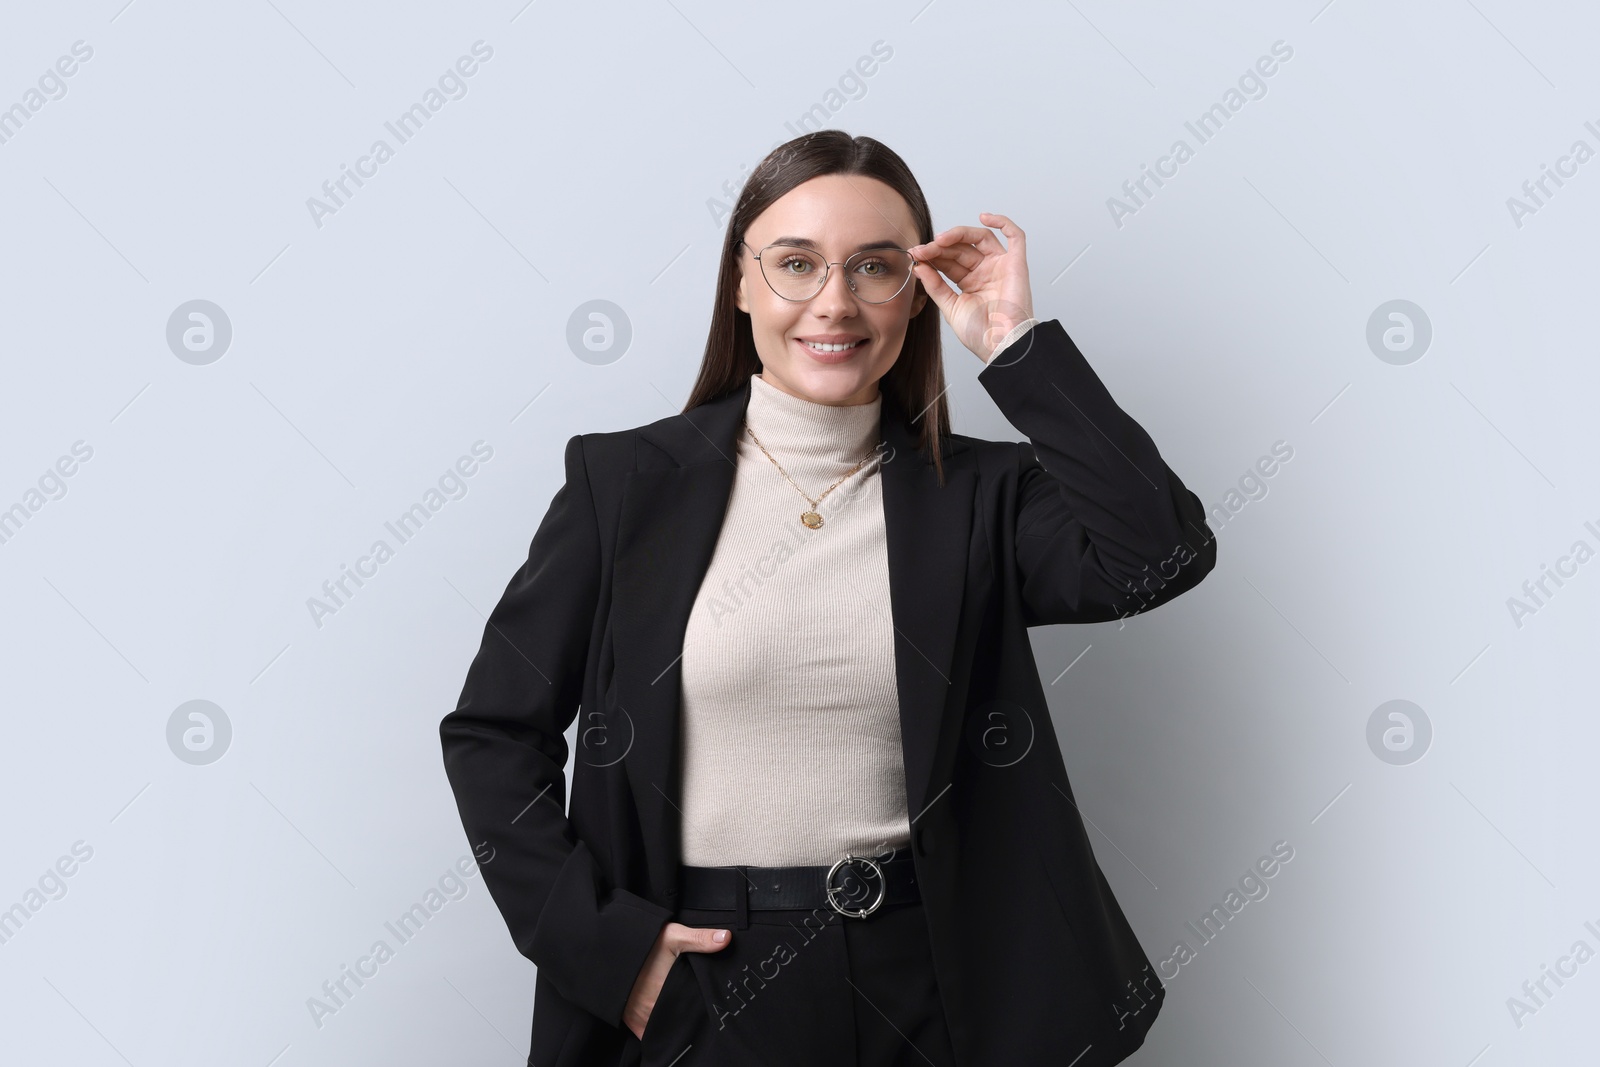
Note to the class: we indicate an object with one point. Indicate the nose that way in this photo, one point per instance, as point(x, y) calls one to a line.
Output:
point(835, 301)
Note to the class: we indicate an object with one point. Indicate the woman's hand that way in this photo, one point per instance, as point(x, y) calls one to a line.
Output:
point(673, 939)
point(995, 294)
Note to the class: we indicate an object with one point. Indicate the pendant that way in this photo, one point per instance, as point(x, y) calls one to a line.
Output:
point(811, 519)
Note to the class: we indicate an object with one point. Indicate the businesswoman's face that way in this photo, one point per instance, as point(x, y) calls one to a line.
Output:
point(836, 215)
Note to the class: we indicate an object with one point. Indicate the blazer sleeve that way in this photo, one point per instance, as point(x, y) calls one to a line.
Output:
point(504, 753)
point(1103, 527)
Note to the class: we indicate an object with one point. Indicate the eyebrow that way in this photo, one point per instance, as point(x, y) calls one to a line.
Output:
point(806, 242)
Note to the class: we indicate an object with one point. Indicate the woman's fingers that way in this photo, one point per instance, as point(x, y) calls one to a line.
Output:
point(971, 258)
point(949, 269)
point(980, 237)
point(962, 249)
point(963, 235)
point(938, 291)
point(959, 257)
point(1013, 232)
point(944, 253)
point(697, 939)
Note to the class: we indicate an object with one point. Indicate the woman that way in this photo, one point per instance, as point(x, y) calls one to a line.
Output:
point(818, 809)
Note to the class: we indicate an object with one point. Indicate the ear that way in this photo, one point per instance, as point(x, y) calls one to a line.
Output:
point(919, 301)
point(738, 296)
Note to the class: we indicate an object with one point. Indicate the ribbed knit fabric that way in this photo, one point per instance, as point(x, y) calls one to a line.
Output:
point(789, 729)
point(790, 722)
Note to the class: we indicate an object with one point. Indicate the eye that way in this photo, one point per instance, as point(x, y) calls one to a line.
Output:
point(877, 263)
point(788, 261)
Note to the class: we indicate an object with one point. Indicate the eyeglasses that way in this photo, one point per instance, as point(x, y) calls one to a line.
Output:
point(795, 273)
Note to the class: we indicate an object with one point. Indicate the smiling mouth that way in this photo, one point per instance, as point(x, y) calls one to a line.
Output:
point(832, 349)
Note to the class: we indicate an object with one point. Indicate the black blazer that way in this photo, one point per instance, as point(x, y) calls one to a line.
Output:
point(1084, 522)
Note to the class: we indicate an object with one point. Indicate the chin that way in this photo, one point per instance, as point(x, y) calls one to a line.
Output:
point(831, 386)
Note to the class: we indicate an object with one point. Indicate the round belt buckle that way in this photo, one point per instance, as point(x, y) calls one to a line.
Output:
point(856, 913)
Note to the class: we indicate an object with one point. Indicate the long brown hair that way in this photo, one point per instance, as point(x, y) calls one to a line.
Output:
point(914, 386)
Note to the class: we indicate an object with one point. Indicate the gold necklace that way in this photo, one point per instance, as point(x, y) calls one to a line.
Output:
point(809, 519)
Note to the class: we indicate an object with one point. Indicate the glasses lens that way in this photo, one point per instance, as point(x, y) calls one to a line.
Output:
point(879, 274)
point(876, 275)
point(794, 273)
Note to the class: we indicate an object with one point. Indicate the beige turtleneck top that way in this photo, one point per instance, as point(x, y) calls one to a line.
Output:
point(789, 730)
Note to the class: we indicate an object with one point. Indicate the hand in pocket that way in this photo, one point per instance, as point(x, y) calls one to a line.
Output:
point(673, 939)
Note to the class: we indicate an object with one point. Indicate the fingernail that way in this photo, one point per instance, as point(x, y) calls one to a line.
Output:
point(720, 936)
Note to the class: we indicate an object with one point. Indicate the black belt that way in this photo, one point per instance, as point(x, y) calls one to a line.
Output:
point(855, 886)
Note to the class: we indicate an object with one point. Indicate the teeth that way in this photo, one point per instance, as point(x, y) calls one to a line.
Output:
point(830, 348)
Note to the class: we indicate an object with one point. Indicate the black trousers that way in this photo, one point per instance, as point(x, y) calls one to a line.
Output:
point(802, 988)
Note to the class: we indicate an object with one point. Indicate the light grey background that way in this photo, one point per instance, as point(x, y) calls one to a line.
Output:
point(432, 311)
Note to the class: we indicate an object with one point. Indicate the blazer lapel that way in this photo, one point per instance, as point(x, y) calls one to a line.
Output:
point(671, 515)
point(927, 527)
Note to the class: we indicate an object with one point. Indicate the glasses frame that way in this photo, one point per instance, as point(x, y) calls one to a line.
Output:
point(827, 272)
